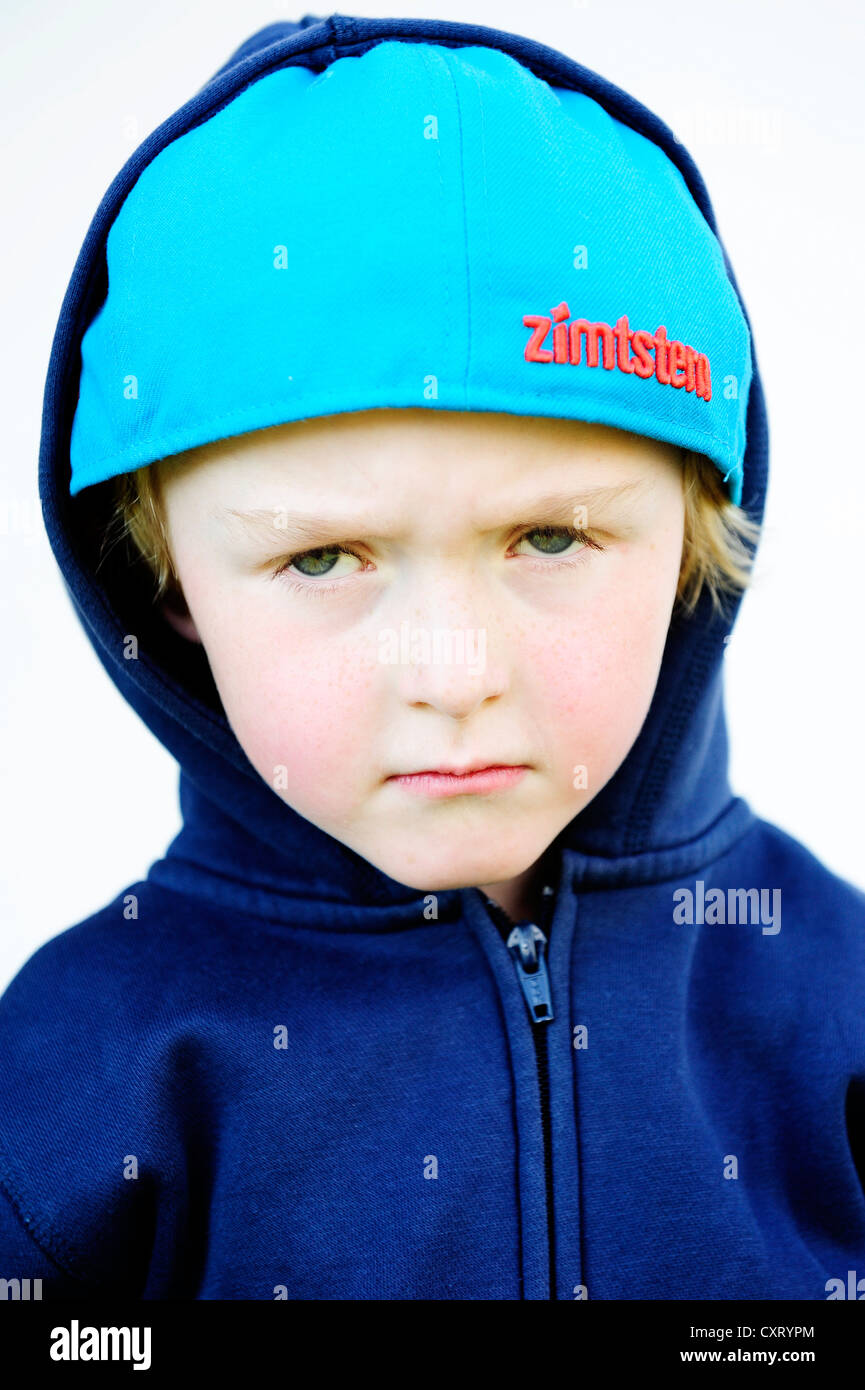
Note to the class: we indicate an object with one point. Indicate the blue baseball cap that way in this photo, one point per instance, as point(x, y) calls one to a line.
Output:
point(417, 226)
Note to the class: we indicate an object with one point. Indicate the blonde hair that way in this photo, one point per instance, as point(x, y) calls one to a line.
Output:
point(716, 553)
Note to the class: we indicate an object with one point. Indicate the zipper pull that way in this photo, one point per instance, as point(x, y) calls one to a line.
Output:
point(526, 944)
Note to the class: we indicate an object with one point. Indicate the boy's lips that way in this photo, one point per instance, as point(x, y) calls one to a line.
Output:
point(443, 770)
point(476, 777)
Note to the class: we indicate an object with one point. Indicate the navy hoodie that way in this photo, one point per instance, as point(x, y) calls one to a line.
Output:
point(270, 1071)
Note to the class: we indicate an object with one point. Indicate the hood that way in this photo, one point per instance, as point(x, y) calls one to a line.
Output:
point(667, 807)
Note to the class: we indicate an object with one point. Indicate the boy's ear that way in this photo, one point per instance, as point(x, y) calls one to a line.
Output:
point(174, 609)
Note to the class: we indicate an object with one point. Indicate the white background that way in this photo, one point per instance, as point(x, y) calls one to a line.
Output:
point(767, 97)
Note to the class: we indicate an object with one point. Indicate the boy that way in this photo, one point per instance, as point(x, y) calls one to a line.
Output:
point(404, 455)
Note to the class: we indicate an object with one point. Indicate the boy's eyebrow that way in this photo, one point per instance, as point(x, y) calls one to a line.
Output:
point(276, 523)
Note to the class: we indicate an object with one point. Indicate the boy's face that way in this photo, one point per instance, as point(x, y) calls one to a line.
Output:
point(456, 631)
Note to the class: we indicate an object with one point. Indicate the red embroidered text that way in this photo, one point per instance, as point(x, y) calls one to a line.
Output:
point(673, 363)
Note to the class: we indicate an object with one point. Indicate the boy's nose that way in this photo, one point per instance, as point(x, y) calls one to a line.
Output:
point(446, 665)
point(456, 689)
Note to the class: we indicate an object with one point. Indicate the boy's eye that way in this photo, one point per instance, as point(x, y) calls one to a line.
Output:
point(313, 564)
point(553, 540)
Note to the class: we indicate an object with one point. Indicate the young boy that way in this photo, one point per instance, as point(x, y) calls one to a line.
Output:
point(404, 454)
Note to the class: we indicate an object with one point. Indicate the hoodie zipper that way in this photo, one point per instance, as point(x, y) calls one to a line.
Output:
point(527, 946)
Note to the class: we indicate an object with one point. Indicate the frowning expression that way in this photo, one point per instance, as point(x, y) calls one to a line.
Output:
point(391, 592)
